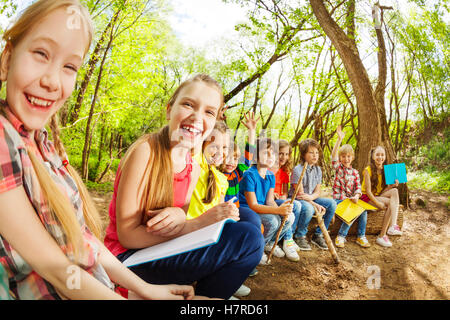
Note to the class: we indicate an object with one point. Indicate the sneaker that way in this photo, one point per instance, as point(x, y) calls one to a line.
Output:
point(289, 250)
point(263, 261)
point(340, 241)
point(233, 298)
point(363, 242)
point(394, 231)
point(277, 252)
point(243, 291)
point(303, 244)
point(384, 241)
point(253, 273)
point(319, 241)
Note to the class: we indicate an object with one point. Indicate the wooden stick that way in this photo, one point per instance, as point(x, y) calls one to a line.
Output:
point(286, 217)
point(326, 235)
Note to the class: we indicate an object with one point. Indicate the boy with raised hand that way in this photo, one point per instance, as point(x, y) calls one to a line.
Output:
point(347, 185)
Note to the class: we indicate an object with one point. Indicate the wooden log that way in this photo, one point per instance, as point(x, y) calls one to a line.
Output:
point(374, 223)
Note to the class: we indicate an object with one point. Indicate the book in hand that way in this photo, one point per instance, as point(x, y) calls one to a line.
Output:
point(195, 240)
point(395, 171)
point(348, 211)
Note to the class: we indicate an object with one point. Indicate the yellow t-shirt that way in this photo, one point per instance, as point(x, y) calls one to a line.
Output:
point(197, 207)
point(379, 187)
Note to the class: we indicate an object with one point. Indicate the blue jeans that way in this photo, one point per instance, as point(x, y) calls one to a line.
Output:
point(272, 223)
point(296, 210)
point(219, 269)
point(248, 215)
point(362, 222)
point(307, 212)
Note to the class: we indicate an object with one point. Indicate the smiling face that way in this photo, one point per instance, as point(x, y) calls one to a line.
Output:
point(379, 157)
point(41, 69)
point(214, 148)
point(346, 159)
point(193, 114)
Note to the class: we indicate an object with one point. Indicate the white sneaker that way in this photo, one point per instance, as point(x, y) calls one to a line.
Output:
point(263, 261)
point(394, 231)
point(277, 252)
point(384, 241)
point(243, 291)
point(289, 250)
point(233, 298)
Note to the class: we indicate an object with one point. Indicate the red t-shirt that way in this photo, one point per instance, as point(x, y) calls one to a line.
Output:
point(281, 177)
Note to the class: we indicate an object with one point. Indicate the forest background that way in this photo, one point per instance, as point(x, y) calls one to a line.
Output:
point(380, 70)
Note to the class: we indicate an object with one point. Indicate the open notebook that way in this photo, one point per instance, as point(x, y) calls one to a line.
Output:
point(195, 240)
point(348, 211)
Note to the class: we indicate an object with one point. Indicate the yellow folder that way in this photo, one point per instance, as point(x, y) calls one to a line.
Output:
point(348, 211)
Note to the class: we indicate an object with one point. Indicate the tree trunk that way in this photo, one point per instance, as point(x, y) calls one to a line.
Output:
point(370, 127)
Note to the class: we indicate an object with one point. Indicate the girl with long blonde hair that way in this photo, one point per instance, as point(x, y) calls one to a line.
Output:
point(48, 224)
point(152, 192)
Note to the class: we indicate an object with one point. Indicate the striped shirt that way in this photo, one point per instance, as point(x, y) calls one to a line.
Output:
point(16, 170)
point(236, 176)
point(346, 181)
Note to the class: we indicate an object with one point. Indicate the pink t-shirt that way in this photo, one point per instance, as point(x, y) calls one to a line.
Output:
point(181, 182)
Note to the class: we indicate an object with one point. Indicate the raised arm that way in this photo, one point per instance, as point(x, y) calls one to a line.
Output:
point(341, 136)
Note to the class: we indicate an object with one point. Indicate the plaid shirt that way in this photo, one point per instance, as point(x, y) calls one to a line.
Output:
point(346, 181)
point(16, 170)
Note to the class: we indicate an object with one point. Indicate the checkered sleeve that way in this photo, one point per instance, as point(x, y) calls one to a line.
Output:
point(357, 182)
point(10, 160)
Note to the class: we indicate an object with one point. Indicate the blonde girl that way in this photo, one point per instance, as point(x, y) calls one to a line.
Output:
point(212, 184)
point(48, 225)
point(376, 192)
point(154, 184)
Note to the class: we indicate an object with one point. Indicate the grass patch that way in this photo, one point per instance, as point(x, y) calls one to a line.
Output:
point(430, 180)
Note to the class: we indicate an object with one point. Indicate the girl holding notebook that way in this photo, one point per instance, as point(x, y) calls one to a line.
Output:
point(376, 192)
point(152, 192)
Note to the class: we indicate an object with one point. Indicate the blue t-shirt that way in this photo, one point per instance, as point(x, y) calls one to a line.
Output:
point(253, 182)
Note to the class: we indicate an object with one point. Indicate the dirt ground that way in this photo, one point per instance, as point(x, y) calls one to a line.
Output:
point(416, 267)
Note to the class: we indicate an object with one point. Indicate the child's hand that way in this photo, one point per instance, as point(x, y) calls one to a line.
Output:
point(166, 222)
point(166, 292)
point(250, 122)
point(276, 196)
point(285, 208)
point(222, 211)
point(380, 205)
point(319, 209)
point(304, 196)
point(355, 198)
point(340, 133)
point(396, 183)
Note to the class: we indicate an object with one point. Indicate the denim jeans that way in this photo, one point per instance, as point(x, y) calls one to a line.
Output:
point(272, 223)
point(307, 212)
point(248, 215)
point(296, 210)
point(362, 222)
point(219, 269)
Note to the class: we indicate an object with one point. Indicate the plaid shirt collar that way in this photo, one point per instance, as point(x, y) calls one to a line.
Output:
point(41, 135)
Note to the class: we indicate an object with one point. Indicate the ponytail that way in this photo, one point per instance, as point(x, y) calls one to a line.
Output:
point(90, 213)
point(211, 188)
